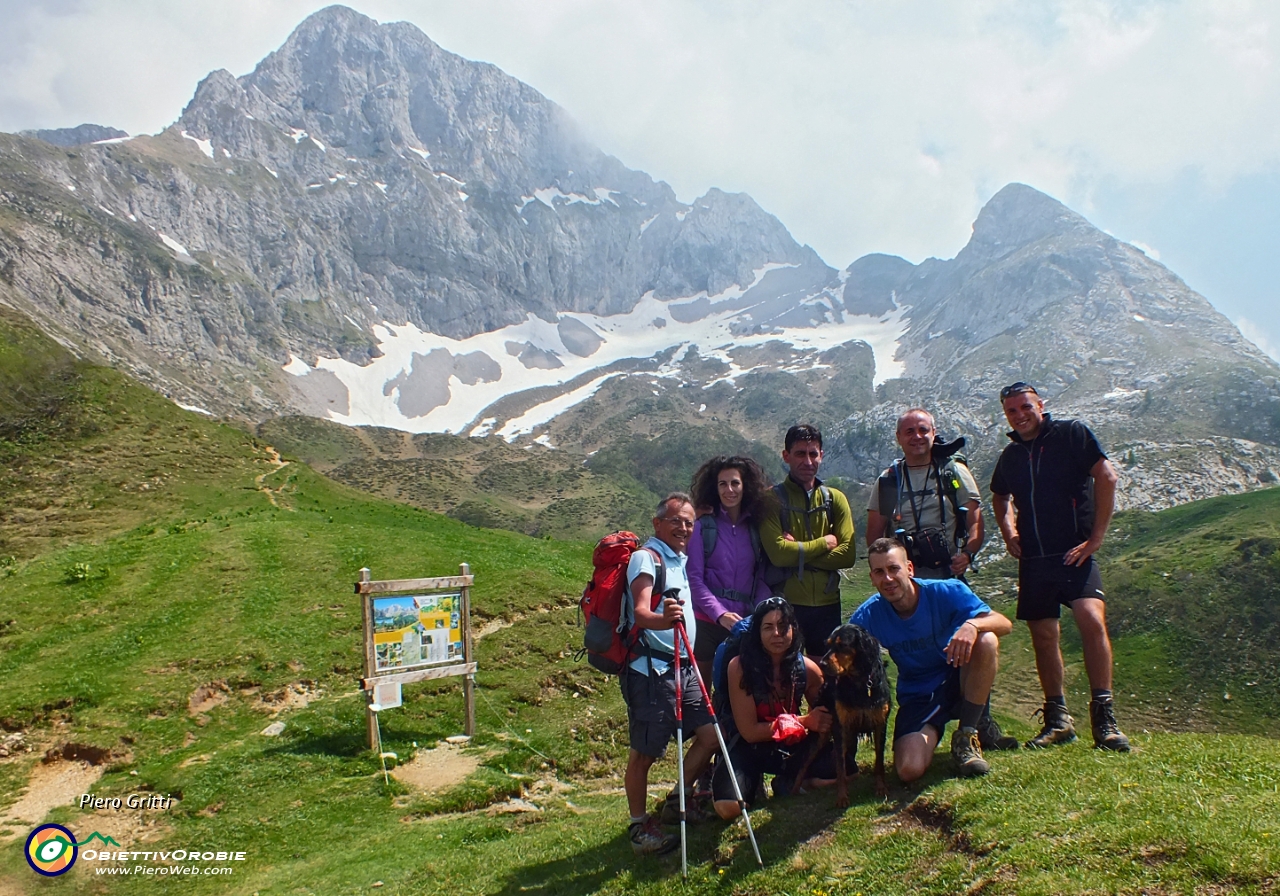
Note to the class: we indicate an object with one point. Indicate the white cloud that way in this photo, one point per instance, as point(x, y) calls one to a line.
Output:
point(864, 126)
point(1150, 252)
point(1263, 339)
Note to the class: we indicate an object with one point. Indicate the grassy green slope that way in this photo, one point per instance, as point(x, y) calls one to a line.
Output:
point(1193, 605)
point(220, 586)
point(86, 451)
point(482, 481)
point(1204, 579)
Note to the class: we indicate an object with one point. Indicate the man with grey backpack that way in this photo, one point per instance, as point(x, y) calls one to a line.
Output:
point(929, 502)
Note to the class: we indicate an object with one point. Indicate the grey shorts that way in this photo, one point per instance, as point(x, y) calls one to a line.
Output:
point(651, 708)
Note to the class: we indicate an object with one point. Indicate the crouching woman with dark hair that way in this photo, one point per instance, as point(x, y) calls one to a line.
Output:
point(763, 728)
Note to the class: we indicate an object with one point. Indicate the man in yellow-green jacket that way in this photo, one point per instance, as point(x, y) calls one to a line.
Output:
point(809, 539)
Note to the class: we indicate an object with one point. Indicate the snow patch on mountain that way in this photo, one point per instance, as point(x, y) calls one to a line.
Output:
point(425, 382)
point(536, 416)
point(548, 196)
point(206, 146)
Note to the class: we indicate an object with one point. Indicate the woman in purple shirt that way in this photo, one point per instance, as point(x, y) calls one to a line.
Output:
point(726, 563)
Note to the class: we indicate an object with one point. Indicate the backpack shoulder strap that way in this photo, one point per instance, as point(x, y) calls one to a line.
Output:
point(710, 532)
point(949, 482)
point(637, 636)
point(757, 547)
point(887, 487)
point(659, 581)
point(784, 507)
point(950, 478)
point(800, 683)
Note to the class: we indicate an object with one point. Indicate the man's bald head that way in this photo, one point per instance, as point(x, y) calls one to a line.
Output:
point(915, 436)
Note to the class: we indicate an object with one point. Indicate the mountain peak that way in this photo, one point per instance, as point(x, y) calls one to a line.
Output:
point(1018, 216)
point(337, 17)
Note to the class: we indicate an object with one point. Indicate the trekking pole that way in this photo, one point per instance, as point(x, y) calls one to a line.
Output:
point(724, 750)
point(684, 851)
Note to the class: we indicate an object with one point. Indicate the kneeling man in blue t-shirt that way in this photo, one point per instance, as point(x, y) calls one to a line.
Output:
point(945, 641)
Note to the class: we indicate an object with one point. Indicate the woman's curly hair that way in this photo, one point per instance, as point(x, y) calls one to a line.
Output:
point(755, 485)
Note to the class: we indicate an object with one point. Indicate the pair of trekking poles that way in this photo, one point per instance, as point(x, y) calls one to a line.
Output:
point(682, 641)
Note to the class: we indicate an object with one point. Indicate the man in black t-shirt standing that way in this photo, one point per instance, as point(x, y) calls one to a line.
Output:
point(1063, 492)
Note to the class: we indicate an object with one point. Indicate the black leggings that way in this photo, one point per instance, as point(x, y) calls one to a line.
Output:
point(752, 761)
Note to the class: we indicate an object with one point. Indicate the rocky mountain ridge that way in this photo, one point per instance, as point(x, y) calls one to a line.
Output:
point(370, 229)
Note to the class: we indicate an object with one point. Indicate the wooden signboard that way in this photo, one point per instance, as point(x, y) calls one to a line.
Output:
point(415, 630)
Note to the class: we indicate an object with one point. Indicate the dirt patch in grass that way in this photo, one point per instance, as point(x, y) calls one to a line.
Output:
point(127, 827)
point(75, 752)
point(498, 623)
point(207, 697)
point(293, 696)
point(432, 771)
point(62, 775)
point(53, 784)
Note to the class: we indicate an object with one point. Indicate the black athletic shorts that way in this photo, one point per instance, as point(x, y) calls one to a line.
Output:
point(1043, 588)
point(710, 636)
point(936, 709)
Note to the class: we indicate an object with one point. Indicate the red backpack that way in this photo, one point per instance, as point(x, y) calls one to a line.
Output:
point(608, 639)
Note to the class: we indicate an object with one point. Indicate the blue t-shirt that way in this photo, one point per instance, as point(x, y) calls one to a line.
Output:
point(917, 644)
point(663, 641)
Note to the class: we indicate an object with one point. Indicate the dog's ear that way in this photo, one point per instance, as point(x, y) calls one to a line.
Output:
point(839, 661)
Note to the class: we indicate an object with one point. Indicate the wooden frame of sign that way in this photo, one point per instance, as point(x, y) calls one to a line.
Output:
point(368, 590)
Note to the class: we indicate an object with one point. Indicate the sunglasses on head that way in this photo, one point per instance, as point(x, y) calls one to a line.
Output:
point(1016, 389)
point(769, 604)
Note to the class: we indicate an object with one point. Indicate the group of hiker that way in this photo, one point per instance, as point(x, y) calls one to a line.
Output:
point(756, 567)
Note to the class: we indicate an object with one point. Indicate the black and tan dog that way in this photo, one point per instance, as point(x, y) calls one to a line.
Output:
point(856, 693)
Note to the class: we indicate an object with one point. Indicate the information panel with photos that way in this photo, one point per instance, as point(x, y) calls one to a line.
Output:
point(415, 630)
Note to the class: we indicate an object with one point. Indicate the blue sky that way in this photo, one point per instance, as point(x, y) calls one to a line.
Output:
point(864, 126)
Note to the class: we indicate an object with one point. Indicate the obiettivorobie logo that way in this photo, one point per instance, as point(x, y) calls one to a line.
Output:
point(52, 849)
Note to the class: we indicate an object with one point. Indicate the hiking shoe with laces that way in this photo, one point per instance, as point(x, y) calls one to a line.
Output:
point(966, 750)
point(992, 738)
point(696, 809)
point(1059, 727)
point(1106, 733)
point(648, 839)
point(702, 787)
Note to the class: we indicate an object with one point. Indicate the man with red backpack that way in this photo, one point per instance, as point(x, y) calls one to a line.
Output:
point(648, 680)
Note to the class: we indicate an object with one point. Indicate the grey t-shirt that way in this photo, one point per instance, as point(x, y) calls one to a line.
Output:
point(924, 489)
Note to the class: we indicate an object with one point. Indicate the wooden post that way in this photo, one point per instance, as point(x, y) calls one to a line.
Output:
point(469, 680)
point(366, 610)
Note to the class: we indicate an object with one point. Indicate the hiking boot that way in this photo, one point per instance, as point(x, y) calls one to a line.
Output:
point(1106, 733)
point(696, 810)
point(1058, 727)
point(648, 839)
point(702, 787)
point(992, 738)
point(966, 750)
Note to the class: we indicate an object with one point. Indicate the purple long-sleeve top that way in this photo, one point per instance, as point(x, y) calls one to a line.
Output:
point(732, 565)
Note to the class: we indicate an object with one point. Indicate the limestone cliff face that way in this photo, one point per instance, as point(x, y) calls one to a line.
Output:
point(1104, 332)
point(362, 184)
point(359, 174)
